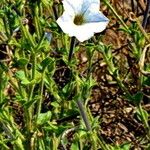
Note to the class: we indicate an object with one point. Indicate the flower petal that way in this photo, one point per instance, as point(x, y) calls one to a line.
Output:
point(95, 20)
point(97, 27)
point(86, 31)
point(66, 23)
point(92, 17)
point(72, 6)
point(82, 33)
point(90, 4)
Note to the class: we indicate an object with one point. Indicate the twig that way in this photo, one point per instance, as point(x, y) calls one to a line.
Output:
point(142, 59)
point(146, 13)
point(72, 45)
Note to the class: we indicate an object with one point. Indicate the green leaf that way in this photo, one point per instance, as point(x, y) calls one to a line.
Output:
point(145, 115)
point(29, 103)
point(125, 146)
point(55, 104)
point(68, 89)
point(124, 30)
point(43, 118)
point(75, 146)
point(137, 98)
point(146, 81)
point(90, 52)
point(4, 146)
point(148, 148)
point(47, 3)
point(22, 62)
point(3, 67)
point(51, 68)
point(21, 76)
point(52, 126)
point(55, 128)
point(47, 62)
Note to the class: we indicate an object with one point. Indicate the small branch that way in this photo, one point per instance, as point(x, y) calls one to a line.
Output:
point(146, 13)
point(72, 45)
point(132, 5)
point(142, 59)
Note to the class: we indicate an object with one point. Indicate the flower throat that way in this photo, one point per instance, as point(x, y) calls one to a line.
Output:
point(78, 20)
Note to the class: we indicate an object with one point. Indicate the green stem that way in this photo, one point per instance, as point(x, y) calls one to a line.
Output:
point(79, 102)
point(31, 88)
point(14, 85)
point(82, 109)
point(6, 27)
point(122, 86)
point(36, 21)
point(142, 30)
point(119, 82)
point(27, 34)
point(41, 97)
point(37, 26)
point(84, 115)
point(144, 120)
point(33, 65)
point(1, 97)
point(1, 81)
point(115, 13)
point(102, 143)
point(123, 23)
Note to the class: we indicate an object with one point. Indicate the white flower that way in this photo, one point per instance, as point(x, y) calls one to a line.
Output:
point(82, 18)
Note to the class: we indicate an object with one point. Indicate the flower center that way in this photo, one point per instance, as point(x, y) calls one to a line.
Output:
point(78, 19)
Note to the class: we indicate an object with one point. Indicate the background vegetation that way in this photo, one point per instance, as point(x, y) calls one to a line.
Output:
point(40, 89)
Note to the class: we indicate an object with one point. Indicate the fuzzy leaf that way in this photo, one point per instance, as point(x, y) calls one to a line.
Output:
point(21, 76)
point(44, 117)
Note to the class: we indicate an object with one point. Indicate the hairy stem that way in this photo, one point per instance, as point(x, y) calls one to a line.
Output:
point(83, 114)
point(79, 102)
point(41, 97)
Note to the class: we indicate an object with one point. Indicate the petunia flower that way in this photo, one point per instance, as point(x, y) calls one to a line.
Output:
point(82, 18)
